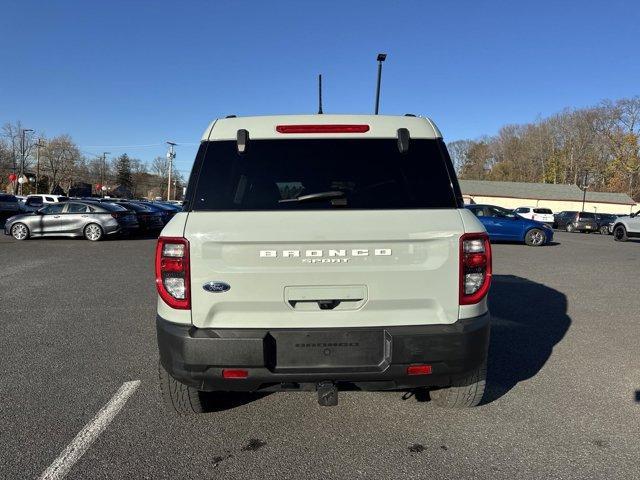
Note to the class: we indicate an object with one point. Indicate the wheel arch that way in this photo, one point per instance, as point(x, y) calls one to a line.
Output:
point(619, 224)
point(532, 227)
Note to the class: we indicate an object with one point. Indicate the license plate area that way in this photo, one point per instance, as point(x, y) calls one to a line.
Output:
point(330, 350)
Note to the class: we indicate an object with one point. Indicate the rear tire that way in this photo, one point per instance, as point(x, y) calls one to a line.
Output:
point(465, 392)
point(93, 232)
point(20, 231)
point(620, 234)
point(604, 230)
point(179, 398)
point(569, 228)
point(535, 237)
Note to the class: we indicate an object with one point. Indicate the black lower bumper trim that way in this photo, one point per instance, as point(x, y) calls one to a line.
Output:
point(366, 358)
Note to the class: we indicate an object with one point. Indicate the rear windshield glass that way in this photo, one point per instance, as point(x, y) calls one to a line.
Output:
point(541, 210)
point(336, 173)
point(587, 215)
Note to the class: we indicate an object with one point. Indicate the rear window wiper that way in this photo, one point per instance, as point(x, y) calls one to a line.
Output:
point(314, 196)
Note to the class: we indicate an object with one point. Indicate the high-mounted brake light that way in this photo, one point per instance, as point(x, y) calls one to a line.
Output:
point(322, 128)
point(172, 272)
point(475, 267)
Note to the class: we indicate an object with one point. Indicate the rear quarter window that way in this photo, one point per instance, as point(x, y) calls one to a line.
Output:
point(369, 174)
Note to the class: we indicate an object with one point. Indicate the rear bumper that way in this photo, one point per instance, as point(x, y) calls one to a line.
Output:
point(585, 226)
point(368, 358)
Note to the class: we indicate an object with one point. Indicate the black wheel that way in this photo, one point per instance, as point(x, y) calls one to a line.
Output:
point(465, 392)
point(535, 237)
point(93, 232)
point(604, 230)
point(180, 398)
point(620, 234)
point(20, 231)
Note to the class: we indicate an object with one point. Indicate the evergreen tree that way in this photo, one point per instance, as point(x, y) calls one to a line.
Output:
point(123, 171)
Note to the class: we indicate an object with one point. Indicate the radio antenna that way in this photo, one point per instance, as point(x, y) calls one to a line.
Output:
point(320, 94)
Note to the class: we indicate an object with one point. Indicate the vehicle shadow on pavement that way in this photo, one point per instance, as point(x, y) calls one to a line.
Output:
point(527, 320)
point(221, 401)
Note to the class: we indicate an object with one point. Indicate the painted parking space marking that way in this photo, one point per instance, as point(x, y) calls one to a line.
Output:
point(92, 430)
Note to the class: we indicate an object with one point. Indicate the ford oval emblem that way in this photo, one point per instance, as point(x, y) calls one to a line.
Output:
point(216, 287)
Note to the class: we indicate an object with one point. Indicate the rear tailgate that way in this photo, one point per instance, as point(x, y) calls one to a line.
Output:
point(332, 268)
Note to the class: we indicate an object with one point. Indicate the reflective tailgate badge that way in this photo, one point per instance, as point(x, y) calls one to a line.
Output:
point(216, 287)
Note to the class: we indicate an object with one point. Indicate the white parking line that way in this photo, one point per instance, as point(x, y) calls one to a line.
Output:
point(92, 430)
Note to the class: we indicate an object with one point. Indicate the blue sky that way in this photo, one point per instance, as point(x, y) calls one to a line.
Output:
point(118, 72)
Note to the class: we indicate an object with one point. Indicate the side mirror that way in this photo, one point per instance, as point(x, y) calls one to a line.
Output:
point(632, 215)
point(39, 212)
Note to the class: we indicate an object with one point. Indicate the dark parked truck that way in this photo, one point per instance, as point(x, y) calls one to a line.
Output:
point(322, 253)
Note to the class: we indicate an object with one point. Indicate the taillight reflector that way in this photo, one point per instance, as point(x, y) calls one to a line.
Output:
point(419, 370)
point(322, 128)
point(234, 373)
point(172, 272)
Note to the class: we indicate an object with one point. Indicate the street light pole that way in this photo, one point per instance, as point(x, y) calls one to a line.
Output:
point(171, 154)
point(38, 146)
point(584, 188)
point(103, 171)
point(381, 58)
point(23, 149)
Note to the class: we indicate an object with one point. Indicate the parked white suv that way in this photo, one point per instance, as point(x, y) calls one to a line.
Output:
point(37, 201)
point(322, 252)
point(626, 227)
point(544, 215)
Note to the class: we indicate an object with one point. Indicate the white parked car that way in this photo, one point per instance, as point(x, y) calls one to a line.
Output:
point(544, 215)
point(626, 227)
point(34, 202)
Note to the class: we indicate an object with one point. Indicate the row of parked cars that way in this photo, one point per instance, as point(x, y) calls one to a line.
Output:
point(91, 217)
point(534, 226)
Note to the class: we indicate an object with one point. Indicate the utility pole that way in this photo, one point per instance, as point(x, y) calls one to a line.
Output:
point(381, 58)
point(103, 171)
point(585, 185)
point(171, 154)
point(38, 146)
point(23, 149)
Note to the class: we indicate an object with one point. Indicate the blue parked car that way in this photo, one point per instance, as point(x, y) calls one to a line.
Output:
point(504, 225)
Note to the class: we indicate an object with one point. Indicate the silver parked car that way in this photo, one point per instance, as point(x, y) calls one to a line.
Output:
point(72, 219)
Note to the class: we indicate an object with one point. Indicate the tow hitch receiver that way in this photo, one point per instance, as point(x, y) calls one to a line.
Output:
point(327, 394)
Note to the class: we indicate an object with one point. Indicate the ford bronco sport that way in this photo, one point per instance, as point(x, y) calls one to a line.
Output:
point(322, 253)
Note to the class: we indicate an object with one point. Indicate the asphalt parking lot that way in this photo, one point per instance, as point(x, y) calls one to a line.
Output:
point(78, 322)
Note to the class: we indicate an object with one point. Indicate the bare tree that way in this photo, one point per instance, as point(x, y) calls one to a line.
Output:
point(61, 157)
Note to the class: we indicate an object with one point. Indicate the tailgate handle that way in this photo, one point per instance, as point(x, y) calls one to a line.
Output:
point(324, 304)
point(350, 297)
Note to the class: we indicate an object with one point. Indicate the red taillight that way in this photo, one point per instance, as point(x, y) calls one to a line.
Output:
point(419, 370)
point(322, 128)
point(475, 267)
point(172, 272)
point(237, 373)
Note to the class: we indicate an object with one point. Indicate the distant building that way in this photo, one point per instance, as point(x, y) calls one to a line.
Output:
point(556, 197)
